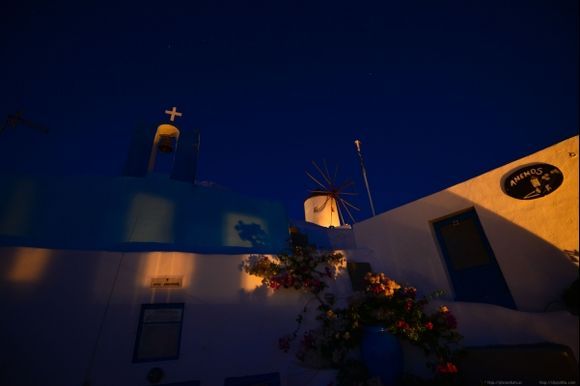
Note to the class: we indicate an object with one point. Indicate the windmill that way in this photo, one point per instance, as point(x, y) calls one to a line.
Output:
point(326, 205)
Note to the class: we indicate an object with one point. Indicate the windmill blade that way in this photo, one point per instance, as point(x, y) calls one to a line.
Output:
point(318, 182)
point(345, 185)
point(340, 216)
point(334, 194)
point(322, 174)
point(348, 203)
point(327, 172)
point(317, 191)
point(347, 210)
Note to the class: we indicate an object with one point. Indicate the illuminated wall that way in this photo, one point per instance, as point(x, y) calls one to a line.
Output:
point(529, 237)
point(78, 257)
point(61, 306)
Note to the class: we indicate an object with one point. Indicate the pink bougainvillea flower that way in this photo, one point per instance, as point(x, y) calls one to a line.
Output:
point(402, 325)
point(429, 326)
point(447, 368)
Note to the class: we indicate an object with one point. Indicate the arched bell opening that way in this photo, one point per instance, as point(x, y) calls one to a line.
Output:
point(164, 149)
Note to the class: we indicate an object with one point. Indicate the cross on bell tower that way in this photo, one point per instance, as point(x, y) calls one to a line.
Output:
point(173, 113)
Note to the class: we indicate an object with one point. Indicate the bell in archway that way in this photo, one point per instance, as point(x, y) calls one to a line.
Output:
point(165, 144)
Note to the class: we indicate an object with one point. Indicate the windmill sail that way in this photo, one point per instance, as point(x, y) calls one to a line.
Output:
point(326, 205)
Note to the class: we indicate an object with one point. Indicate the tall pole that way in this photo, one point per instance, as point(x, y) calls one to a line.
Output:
point(357, 144)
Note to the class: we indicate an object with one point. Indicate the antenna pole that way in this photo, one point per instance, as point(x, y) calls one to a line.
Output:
point(357, 144)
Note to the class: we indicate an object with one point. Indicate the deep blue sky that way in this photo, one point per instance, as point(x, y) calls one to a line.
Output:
point(438, 91)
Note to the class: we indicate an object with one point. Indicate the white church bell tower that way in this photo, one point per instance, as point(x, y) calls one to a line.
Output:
point(164, 149)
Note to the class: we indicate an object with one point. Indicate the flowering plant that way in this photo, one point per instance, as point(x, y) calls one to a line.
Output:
point(302, 268)
point(329, 345)
point(397, 308)
point(384, 302)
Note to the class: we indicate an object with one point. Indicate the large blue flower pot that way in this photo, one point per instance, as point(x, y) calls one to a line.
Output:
point(382, 354)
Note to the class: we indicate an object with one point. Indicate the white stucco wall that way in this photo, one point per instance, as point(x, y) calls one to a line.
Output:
point(54, 302)
point(528, 239)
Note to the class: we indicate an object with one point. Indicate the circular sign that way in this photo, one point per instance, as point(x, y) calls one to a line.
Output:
point(533, 181)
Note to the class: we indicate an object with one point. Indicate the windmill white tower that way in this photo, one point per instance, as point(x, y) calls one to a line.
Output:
point(325, 206)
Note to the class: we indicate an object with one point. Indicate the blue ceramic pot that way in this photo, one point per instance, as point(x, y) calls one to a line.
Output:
point(382, 354)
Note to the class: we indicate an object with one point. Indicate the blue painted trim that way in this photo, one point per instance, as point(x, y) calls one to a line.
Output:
point(499, 292)
point(88, 213)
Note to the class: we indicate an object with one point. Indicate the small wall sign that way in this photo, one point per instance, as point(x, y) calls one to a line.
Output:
point(167, 282)
point(533, 181)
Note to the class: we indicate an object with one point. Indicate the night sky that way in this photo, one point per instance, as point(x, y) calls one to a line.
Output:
point(437, 91)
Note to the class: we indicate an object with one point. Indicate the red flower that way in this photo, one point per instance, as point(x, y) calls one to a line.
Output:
point(429, 326)
point(402, 325)
point(447, 368)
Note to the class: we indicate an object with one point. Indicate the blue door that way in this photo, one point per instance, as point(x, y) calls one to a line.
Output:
point(471, 263)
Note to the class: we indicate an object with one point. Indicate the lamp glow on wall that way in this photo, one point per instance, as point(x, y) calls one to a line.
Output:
point(29, 265)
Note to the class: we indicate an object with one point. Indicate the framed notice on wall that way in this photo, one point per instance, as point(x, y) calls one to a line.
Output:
point(159, 332)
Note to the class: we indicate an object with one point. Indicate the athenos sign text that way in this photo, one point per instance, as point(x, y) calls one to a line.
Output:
point(533, 181)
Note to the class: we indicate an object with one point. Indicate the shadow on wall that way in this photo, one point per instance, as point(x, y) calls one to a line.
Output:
point(136, 214)
point(405, 246)
point(253, 233)
point(572, 255)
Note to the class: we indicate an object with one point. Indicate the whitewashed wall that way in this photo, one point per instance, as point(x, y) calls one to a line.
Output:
point(54, 303)
point(527, 237)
